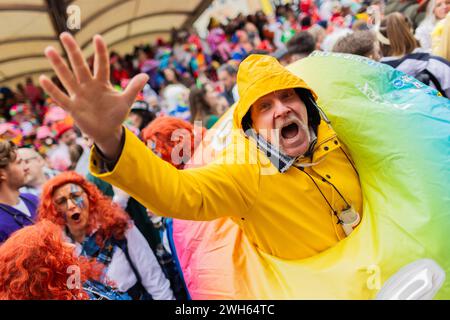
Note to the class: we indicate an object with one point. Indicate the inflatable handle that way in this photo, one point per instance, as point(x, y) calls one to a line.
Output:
point(419, 280)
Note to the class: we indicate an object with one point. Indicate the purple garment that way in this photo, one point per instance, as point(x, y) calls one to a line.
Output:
point(12, 219)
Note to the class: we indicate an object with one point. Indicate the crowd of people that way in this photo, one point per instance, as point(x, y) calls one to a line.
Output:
point(119, 247)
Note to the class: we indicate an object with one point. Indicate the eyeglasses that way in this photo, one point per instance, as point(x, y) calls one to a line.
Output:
point(62, 203)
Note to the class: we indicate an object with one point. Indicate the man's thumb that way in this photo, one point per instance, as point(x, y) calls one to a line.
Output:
point(136, 84)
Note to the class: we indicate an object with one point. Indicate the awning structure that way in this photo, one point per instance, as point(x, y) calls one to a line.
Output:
point(28, 26)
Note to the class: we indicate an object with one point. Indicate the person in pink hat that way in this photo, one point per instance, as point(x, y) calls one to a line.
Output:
point(60, 159)
point(45, 142)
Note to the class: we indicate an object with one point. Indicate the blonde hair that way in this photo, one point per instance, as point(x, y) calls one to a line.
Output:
point(398, 29)
point(441, 38)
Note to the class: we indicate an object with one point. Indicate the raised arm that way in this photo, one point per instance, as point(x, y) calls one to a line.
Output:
point(99, 111)
point(205, 193)
point(97, 108)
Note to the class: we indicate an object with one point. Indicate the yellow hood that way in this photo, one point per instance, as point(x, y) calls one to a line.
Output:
point(259, 75)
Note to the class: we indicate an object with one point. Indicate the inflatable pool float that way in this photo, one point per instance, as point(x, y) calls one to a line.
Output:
point(398, 133)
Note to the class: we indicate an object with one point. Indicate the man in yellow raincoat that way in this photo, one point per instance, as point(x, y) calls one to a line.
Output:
point(285, 179)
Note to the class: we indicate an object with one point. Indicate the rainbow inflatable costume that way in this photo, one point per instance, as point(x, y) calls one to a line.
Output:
point(398, 134)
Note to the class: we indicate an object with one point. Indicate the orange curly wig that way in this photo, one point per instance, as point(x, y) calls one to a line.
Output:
point(161, 130)
point(34, 265)
point(104, 215)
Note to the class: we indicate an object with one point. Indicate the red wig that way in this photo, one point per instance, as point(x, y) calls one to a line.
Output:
point(161, 131)
point(105, 217)
point(34, 265)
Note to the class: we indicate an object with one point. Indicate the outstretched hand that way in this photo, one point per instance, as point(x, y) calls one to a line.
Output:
point(97, 108)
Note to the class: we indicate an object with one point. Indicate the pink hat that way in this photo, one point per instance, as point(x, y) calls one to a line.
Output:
point(54, 114)
point(43, 132)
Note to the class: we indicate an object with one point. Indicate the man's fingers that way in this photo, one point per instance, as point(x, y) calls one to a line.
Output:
point(136, 84)
point(55, 93)
point(62, 70)
point(101, 59)
point(78, 63)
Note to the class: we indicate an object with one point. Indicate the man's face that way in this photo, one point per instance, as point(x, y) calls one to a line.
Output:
point(33, 164)
point(227, 80)
point(69, 137)
point(15, 174)
point(281, 118)
point(72, 202)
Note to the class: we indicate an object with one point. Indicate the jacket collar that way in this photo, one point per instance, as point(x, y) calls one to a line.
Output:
point(327, 141)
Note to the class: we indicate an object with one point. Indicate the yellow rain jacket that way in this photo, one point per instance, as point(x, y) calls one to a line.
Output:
point(283, 214)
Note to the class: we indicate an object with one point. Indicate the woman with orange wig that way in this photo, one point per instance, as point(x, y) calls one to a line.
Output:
point(36, 264)
point(100, 229)
point(173, 139)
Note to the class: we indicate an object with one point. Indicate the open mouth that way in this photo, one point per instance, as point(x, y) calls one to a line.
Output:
point(289, 131)
point(76, 217)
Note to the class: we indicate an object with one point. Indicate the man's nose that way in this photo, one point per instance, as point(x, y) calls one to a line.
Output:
point(281, 110)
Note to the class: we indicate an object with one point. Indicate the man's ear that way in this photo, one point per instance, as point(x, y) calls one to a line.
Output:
point(2, 175)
